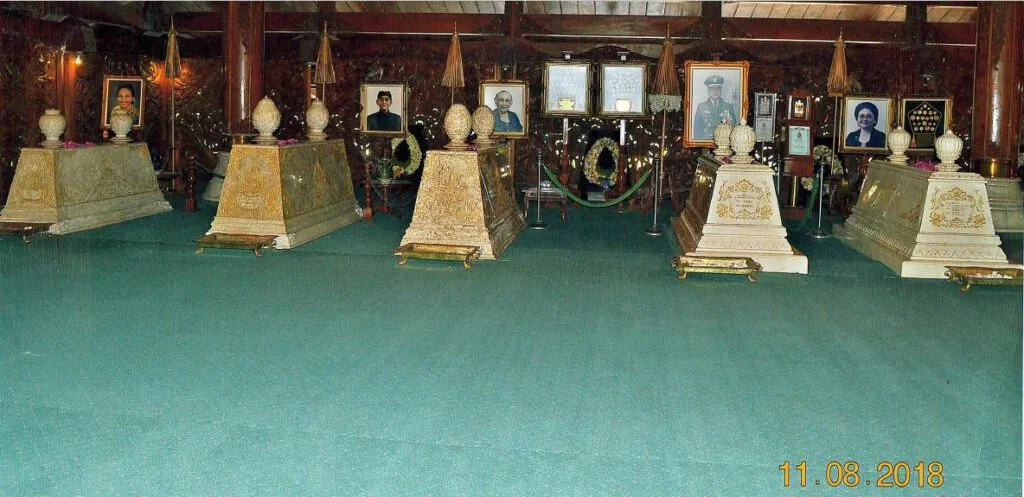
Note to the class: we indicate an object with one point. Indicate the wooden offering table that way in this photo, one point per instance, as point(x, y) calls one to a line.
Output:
point(76, 189)
point(466, 199)
point(296, 193)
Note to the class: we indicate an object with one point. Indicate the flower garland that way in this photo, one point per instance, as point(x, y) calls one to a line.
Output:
point(590, 170)
point(409, 166)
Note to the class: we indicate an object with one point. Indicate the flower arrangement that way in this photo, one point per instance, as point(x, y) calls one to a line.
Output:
point(290, 141)
point(406, 156)
point(926, 165)
point(823, 156)
point(593, 172)
point(71, 144)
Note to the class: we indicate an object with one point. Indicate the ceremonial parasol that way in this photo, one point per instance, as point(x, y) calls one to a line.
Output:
point(172, 69)
point(664, 98)
point(324, 65)
point(453, 75)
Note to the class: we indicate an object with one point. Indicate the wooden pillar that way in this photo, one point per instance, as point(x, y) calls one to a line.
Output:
point(243, 64)
point(998, 85)
point(67, 74)
point(711, 26)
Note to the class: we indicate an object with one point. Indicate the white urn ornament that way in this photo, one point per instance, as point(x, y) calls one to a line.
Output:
point(52, 124)
point(317, 117)
point(121, 123)
point(457, 124)
point(947, 149)
point(722, 133)
point(483, 124)
point(266, 118)
point(899, 142)
point(742, 141)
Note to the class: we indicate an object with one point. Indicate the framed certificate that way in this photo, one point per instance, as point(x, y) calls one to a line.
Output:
point(799, 139)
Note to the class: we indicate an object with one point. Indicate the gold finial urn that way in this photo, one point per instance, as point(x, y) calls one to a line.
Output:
point(742, 141)
point(483, 124)
point(722, 133)
point(317, 117)
point(899, 142)
point(458, 122)
point(52, 124)
point(947, 149)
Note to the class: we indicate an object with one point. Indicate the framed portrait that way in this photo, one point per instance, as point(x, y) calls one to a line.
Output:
point(764, 116)
point(765, 104)
point(799, 107)
point(866, 121)
point(566, 88)
point(509, 101)
point(623, 89)
point(925, 118)
point(126, 92)
point(799, 139)
point(384, 109)
point(716, 92)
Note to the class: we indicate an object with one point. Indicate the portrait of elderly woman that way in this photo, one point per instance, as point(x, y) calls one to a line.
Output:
point(507, 99)
point(125, 93)
point(866, 123)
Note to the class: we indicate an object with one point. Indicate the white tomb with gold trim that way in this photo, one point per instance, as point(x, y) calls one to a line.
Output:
point(733, 211)
point(83, 188)
point(918, 222)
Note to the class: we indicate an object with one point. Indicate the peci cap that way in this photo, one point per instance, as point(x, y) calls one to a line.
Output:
point(714, 81)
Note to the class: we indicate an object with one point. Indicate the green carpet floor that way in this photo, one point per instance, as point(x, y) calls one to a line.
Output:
point(577, 365)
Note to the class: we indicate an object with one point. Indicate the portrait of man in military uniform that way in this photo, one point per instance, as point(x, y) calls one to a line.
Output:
point(713, 111)
point(716, 92)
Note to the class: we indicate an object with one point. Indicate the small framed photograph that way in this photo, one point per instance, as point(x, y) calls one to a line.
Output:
point(384, 109)
point(716, 92)
point(866, 121)
point(765, 104)
point(509, 101)
point(925, 118)
point(623, 89)
point(125, 92)
point(799, 107)
point(799, 139)
point(566, 88)
point(764, 129)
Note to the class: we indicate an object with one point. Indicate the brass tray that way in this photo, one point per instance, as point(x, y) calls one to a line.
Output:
point(465, 253)
point(965, 276)
point(685, 264)
point(25, 230)
point(256, 243)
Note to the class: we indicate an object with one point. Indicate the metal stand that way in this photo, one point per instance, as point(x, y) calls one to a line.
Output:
point(538, 224)
point(656, 230)
point(818, 232)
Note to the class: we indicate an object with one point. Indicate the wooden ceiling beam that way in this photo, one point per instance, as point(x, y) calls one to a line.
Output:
point(640, 29)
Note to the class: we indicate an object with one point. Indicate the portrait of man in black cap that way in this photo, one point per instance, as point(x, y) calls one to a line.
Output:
point(713, 111)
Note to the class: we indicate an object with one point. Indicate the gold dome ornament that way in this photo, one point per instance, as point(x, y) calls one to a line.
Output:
point(121, 123)
point(266, 118)
point(722, 133)
point(483, 124)
point(317, 117)
point(947, 149)
point(458, 122)
point(52, 124)
point(742, 141)
point(899, 142)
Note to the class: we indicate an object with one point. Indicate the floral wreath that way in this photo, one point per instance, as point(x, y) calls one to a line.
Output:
point(590, 170)
point(409, 166)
